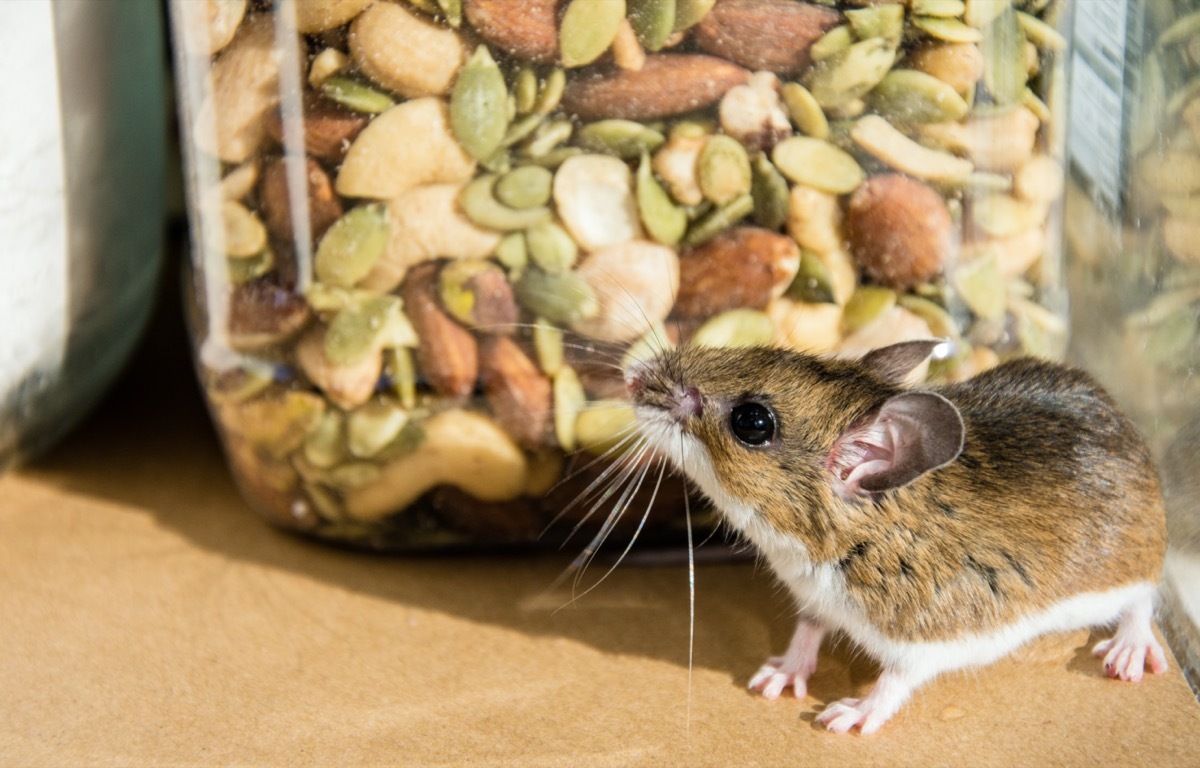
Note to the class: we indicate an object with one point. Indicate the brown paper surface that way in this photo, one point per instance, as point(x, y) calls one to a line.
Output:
point(149, 618)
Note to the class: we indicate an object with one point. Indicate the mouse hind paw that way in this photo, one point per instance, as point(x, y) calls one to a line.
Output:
point(1134, 646)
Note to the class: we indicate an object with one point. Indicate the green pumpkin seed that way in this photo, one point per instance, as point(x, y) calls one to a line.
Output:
point(373, 426)
point(361, 328)
point(689, 13)
point(569, 401)
point(327, 298)
point(692, 129)
point(521, 129)
point(452, 10)
point(845, 76)
point(512, 252)
point(1041, 34)
point(831, 43)
point(548, 344)
point(981, 287)
point(587, 30)
point(550, 247)
point(1004, 69)
point(910, 96)
point(770, 193)
point(478, 115)
point(552, 92)
point(723, 169)
point(604, 427)
point(325, 445)
point(427, 6)
point(717, 220)
point(404, 376)
point(1042, 333)
point(805, 112)
point(941, 8)
point(653, 21)
point(940, 323)
point(950, 30)
point(351, 247)
point(478, 202)
point(813, 282)
point(354, 95)
point(455, 287)
point(245, 270)
point(562, 298)
point(817, 164)
point(882, 21)
point(624, 138)
point(525, 187)
point(736, 328)
point(980, 13)
point(547, 137)
point(525, 90)
point(664, 221)
point(866, 305)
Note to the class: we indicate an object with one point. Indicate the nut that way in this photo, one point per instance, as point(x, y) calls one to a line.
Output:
point(243, 89)
point(899, 230)
point(741, 267)
point(959, 65)
point(675, 163)
point(348, 386)
point(320, 15)
point(635, 283)
point(814, 219)
point(587, 30)
point(329, 128)
point(772, 35)
point(404, 51)
point(527, 29)
point(753, 113)
point(324, 207)
point(518, 393)
point(211, 24)
point(447, 354)
point(814, 328)
point(477, 293)
point(409, 145)
point(1001, 143)
point(595, 199)
point(262, 313)
point(667, 84)
point(244, 235)
point(887, 143)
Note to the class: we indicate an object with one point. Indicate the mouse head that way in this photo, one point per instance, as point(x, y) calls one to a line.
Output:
point(765, 428)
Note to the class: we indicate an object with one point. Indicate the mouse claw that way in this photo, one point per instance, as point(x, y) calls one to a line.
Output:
point(1127, 653)
point(773, 677)
point(841, 716)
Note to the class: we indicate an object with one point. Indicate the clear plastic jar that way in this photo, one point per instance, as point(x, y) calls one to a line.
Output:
point(427, 233)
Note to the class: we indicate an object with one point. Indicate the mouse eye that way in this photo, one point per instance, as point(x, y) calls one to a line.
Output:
point(752, 423)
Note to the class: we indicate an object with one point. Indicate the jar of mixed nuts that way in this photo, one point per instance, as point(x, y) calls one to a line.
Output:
point(428, 233)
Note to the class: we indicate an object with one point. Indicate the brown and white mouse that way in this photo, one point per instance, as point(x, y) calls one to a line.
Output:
point(937, 528)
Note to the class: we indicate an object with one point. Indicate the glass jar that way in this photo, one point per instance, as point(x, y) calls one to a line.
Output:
point(427, 234)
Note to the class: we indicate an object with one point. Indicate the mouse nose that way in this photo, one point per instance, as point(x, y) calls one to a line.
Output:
point(688, 403)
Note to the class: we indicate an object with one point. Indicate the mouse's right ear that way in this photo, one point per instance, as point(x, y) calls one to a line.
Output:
point(894, 362)
point(911, 434)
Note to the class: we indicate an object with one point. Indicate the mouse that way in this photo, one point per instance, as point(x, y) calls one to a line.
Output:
point(938, 528)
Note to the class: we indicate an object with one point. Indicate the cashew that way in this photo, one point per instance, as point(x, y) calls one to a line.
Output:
point(347, 386)
point(753, 113)
point(1014, 254)
point(425, 223)
point(885, 142)
point(959, 65)
point(240, 181)
point(814, 219)
point(636, 284)
point(594, 195)
point(404, 51)
point(210, 25)
point(1000, 143)
point(675, 163)
point(326, 64)
point(463, 449)
point(405, 147)
point(320, 15)
point(806, 327)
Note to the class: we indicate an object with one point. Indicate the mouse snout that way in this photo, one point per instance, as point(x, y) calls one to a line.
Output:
point(635, 379)
point(688, 403)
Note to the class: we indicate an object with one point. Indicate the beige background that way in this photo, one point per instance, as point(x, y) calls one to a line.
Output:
point(148, 618)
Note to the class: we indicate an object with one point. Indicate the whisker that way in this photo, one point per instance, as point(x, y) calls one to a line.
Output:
point(625, 467)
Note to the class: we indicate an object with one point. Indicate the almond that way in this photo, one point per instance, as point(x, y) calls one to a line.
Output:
point(899, 230)
point(667, 84)
point(772, 35)
point(328, 127)
point(262, 312)
point(448, 354)
point(527, 29)
point(741, 267)
point(518, 393)
point(324, 207)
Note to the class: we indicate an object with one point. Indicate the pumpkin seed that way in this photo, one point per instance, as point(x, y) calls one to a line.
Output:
point(1041, 34)
point(362, 328)
point(562, 298)
point(550, 247)
point(981, 286)
point(569, 400)
point(813, 282)
point(245, 270)
point(551, 93)
point(525, 90)
point(587, 30)
point(245, 234)
point(664, 221)
point(603, 426)
point(404, 376)
point(688, 13)
point(653, 21)
point(1004, 69)
point(478, 116)
point(879, 137)
point(940, 8)
point(866, 305)
point(326, 64)
point(455, 287)
point(805, 112)
point(452, 10)
point(373, 426)
point(832, 42)
point(351, 247)
point(327, 298)
point(280, 424)
point(478, 202)
point(882, 21)
point(736, 328)
point(521, 129)
point(525, 187)
point(718, 220)
point(980, 13)
point(692, 129)
point(817, 164)
point(547, 137)
point(769, 190)
point(624, 138)
point(352, 475)
point(557, 156)
point(548, 344)
point(352, 94)
point(851, 73)
point(723, 169)
point(940, 323)
point(910, 96)
point(512, 252)
point(950, 30)
point(325, 444)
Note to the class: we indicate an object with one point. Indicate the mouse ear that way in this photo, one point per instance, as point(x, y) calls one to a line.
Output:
point(894, 362)
point(913, 433)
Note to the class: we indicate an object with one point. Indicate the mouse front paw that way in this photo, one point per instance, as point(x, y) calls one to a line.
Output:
point(842, 716)
point(1134, 646)
point(776, 675)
